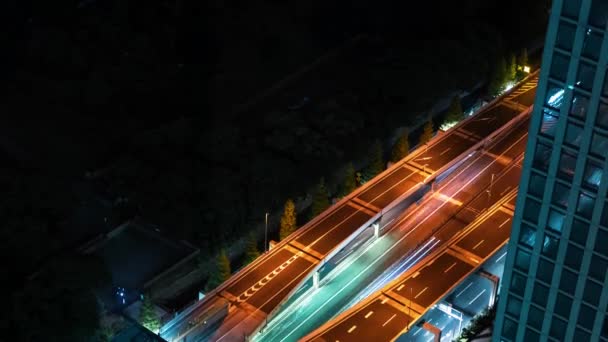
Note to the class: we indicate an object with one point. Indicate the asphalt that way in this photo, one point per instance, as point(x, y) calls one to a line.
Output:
point(265, 285)
point(420, 291)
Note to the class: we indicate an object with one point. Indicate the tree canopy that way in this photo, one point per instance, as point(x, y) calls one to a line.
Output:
point(221, 271)
point(349, 184)
point(427, 132)
point(148, 317)
point(376, 164)
point(320, 199)
point(251, 249)
point(288, 220)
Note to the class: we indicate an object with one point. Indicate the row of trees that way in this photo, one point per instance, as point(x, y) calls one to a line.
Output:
point(507, 72)
point(320, 201)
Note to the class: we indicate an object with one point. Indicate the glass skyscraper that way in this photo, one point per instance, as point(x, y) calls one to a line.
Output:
point(555, 287)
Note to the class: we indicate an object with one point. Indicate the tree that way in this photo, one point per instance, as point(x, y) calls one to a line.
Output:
point(221, 271)
point(320, 200)
point(350, 183)
point(523, 57)
point(376, 164)
point(427, 133)
point(498, 78)
point(251, 249)
point(454, 113)
point(512, 70)
point(288, 220)
point(401, 147)
point(147, 314)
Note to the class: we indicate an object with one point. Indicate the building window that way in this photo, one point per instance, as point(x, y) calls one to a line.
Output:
point(574, 257)
point(560, 195)
point(555, 96)
point(559, 67)
point(586, 315)
point(509, 329)
point(535, 317)
point(540, 294)
point(592, 44)
point(593, 175)
point(558, 328)
point(604, 332)
point(542, 156)
point(567, 164)
point(585, 75)
point(604, 217)
point(574, 135)
point(522, 260)
point(592, 292)
point(555, 221)
point(601, 242)
point(537, 183)
point(600, 265)
point(565, 36)
point(599, 145)
point(514, 306)
point(585, 204)
point(580, 103)
point(527, 235)
point(579, 231)
point(563, 305)
point(550, 246)
point(581, 335)
point(518, 284)
point(571, 8)
point(544, 271)
point(597, 14)
point(531, 210)
point(567, 282)
point(531, 335)
point(549, 122)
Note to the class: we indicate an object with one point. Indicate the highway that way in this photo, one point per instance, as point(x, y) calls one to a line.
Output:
point(257, 290)
point(435, 215)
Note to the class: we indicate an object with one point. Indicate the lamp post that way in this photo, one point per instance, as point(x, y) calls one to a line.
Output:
point(266, 233)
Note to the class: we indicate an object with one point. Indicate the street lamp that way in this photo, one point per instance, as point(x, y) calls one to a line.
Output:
point(266, 233)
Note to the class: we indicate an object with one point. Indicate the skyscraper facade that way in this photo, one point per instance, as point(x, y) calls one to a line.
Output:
point(555, 286)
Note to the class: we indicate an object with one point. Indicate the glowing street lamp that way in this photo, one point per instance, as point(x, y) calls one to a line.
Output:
point(526, 69)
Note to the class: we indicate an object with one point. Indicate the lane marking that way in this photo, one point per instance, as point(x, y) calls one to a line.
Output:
point(390, 319)
point(369, 314)
point(352, 328)
point(502, 256)
point(479, 295)
point(421, 292)
point(384, 301)
point(400, 287)
point(505, 222)
point(466, 288)
point(444, 151)
point(479, 243)
point(449, 268)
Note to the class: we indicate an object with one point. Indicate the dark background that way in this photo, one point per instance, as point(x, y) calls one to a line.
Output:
point(114, 109)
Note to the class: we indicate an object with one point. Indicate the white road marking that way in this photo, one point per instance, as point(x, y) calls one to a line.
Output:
point(390, 319)
point(352, 328)
point(479, 243)
point(449, 268)
point(459, 293)
point(479, 295)
point(421, 292)
point(444, 151)
point(400, 287)
point(502, 256)
point(505, 222)
point(369, 314)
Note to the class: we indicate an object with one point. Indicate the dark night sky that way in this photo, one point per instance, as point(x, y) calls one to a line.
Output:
point(145, 93)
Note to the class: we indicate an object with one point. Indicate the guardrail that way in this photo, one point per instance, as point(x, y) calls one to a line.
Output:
point(302, 230)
